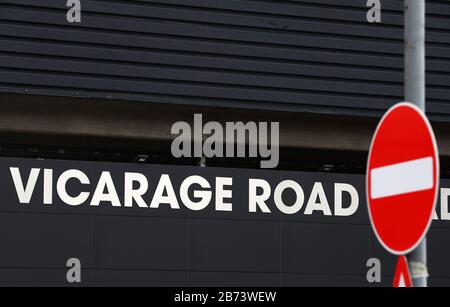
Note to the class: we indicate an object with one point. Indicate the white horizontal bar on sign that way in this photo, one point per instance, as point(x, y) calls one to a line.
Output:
point(402, 178)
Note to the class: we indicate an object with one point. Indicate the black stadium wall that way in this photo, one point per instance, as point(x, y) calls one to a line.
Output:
point(313, 57)
point(171, 243)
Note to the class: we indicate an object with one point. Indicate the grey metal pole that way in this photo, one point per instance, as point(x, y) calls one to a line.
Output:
point(415, 52)
point(415, 93)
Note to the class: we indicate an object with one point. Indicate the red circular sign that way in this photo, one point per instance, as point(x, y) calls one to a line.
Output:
point(402, 178)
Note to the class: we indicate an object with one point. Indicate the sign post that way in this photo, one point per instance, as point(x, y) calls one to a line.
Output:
point(415, 93)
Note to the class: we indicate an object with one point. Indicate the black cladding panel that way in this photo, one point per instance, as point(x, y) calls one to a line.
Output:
point(303, 55)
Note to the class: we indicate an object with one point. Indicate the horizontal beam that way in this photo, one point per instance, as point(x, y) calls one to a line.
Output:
point(139, 123)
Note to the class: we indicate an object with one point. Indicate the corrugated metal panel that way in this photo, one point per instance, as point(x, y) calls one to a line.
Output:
point(317, 55)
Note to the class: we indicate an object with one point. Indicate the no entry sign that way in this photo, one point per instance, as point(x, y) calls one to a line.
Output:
point(402, 178)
